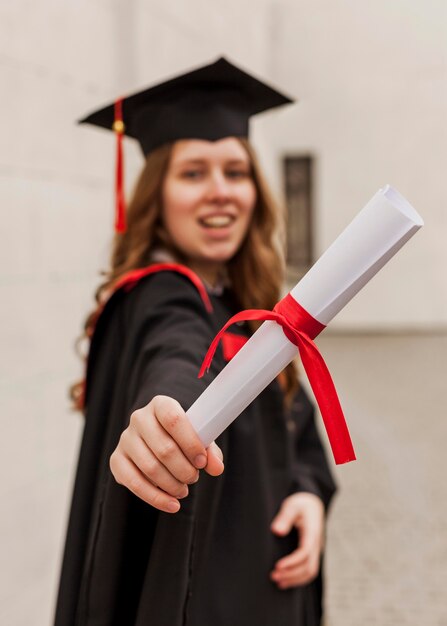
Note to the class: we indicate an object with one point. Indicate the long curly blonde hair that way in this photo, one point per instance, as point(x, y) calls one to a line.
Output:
point(256, 271)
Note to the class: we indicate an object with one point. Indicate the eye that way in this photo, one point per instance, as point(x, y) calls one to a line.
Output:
point(237, 173)
point(192, 174)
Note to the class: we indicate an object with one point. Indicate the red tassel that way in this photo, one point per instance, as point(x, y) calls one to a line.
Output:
point(120, 208)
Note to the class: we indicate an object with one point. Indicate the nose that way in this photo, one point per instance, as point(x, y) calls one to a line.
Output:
point(218, 188)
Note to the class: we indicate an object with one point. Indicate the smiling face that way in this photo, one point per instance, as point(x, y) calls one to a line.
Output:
point(208, 199)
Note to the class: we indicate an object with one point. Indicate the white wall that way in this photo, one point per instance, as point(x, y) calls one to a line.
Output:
point(58, 61)
point(371, 111)
point(371, 78)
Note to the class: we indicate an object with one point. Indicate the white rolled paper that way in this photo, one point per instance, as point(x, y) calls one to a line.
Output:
point(381, 228)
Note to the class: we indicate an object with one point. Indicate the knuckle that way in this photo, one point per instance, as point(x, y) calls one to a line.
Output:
point(155, 405)
point(157, 400)
point(123, 440)
point(134, 484)
point(149, 467)
point(136, 417)
point(113, 464)
point(167, 450)
point(171, 418)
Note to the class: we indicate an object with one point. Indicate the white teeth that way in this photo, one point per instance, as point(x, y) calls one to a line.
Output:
point(217, 221)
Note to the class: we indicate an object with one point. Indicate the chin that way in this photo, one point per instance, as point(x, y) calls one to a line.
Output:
point(221, 257)
point(222, 253)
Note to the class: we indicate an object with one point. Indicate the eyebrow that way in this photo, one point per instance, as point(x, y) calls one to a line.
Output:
point(204, 161)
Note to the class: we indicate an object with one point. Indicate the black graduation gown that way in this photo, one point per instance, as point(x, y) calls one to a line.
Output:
point(128, 564)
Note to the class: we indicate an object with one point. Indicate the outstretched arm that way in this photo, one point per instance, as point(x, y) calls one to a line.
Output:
point(159, 454)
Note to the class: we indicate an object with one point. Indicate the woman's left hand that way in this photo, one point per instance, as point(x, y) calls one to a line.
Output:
point(305, 512)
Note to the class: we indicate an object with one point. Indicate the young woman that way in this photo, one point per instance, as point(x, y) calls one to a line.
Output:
point(152, 539)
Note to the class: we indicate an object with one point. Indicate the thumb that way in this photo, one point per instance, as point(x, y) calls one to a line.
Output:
point(215, 465)
point(214, 448)
point(285, 519)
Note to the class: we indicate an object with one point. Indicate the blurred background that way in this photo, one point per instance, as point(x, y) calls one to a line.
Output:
point(371, 80)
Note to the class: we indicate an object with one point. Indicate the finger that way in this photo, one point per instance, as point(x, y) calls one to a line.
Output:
point(136, 449)
point(173, 419)
point(214, 448)
point(167, 451)
point(127, 474)
point(310, 535)
point(309, 548)
point(215, 465)
point(301, 575)
point(294, 559)
point(164, 447)
point(285, 519)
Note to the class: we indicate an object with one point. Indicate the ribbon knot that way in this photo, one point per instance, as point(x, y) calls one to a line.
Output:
point(295, 320)
point(301, 328)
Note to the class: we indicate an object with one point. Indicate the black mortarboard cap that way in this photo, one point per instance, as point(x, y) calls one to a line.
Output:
point(211, 102)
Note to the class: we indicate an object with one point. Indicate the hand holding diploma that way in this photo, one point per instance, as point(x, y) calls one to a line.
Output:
point(159, 455)
point(373, 237)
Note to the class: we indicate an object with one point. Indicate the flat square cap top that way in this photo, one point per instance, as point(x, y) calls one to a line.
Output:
point(211, 102)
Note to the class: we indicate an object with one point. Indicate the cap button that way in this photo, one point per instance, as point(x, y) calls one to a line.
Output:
point(118, 126)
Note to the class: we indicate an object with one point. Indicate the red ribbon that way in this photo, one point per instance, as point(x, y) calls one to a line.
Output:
point(231, 344)
point(120, 209)
point(300, 328)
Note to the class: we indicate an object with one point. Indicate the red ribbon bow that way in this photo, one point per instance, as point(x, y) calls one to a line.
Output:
point(300, 328)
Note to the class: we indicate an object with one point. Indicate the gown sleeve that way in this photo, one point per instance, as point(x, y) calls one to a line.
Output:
point(172, 333)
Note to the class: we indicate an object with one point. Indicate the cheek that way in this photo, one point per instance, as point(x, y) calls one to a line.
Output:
point(178, 205)
point(179, 199)
point(179, 202)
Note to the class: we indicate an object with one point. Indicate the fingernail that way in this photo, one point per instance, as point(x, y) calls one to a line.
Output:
point(173, 506)
point(184, 492)
point(200, 460)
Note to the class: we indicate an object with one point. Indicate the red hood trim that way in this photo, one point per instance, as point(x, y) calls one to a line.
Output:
point(129, 280)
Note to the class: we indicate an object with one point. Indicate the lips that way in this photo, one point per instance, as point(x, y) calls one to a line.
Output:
point(217, 220)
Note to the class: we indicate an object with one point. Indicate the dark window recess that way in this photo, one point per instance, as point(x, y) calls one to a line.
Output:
point(298, 188)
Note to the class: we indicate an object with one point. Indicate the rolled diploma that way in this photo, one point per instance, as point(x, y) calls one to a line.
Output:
point(381, 228)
